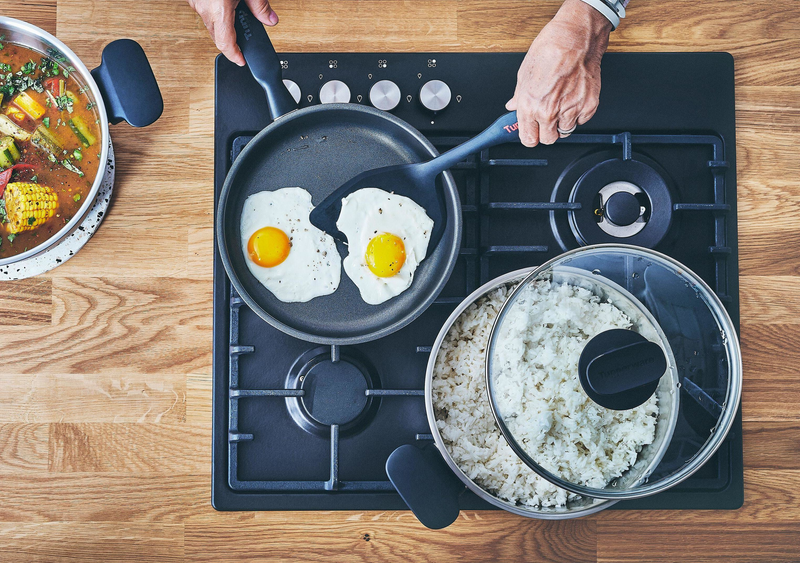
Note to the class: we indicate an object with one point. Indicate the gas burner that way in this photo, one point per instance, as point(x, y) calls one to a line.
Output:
point(615, 200)
point(335, 388)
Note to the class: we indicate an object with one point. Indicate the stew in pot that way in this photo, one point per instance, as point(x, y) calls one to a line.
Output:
point(49, 146)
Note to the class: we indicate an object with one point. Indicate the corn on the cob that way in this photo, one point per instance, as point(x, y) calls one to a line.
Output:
point(28, 205)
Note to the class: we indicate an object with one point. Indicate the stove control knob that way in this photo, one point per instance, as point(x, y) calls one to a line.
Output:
point(384, 95)
point(435, 95)
point(334, 92)
point(293, 88)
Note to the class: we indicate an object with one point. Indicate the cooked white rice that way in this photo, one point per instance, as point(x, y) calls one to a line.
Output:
point(539, 394)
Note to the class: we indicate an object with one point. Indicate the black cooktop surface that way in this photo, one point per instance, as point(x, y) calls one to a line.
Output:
point(668, 118)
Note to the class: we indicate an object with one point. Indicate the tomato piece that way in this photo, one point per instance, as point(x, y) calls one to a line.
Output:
point(5, 175)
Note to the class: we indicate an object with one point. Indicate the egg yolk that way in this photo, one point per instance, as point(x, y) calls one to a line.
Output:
point(268, 247)
point(385, 255)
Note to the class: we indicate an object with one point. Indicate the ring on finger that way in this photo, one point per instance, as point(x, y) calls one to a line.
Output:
point(566, 132)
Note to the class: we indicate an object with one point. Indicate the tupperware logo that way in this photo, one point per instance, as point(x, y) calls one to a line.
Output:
point(634, 365)
point(511, 128)
point(245, 27)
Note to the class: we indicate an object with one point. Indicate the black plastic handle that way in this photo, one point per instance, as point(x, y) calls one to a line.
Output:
point(128, 85)
point(262, 60)
point(426, 484)
point(504, 130)
point(620, 369)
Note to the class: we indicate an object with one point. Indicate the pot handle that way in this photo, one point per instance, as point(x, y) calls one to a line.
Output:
point(262, 60)
point(426, 484)
point(127, 83)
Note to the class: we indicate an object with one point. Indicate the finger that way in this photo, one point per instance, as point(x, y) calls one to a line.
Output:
point(528, 129)
point(511, 104)
point(548, 132)
point(588, 111)
point(263, 11)
point(224, 35)
point(567, 121)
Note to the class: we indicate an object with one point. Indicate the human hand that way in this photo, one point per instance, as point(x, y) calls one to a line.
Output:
point(558, 83)
point(217, 15)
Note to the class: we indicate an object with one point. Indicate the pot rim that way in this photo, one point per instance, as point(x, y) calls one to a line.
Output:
point(26, 29)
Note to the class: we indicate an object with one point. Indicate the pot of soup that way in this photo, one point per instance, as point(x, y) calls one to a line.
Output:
point(54, 131)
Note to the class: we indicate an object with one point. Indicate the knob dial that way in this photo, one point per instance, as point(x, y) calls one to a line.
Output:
point(334, 92)
point(435, 95)
point(384, 95)
point(293, 88)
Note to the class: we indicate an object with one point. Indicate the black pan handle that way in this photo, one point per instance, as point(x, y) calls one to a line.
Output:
point(262, 60)
point(128, 85)
point(426, 484)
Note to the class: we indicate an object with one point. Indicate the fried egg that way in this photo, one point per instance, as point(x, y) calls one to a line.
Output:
point(387, 238)
point(289, 256)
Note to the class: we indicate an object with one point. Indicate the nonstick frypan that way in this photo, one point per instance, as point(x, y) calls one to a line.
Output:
point(319, 148)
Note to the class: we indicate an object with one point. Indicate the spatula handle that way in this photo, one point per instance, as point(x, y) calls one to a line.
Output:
point(504, 130)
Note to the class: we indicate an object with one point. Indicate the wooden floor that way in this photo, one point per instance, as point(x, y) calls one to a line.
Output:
point(105, 364)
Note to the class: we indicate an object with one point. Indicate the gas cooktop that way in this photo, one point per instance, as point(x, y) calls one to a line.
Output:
point(285, 440)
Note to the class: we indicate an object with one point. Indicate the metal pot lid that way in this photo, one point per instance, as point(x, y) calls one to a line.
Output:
point(613, 371)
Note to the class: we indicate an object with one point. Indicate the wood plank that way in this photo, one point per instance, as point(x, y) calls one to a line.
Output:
point(772, 445)
point(391, 536)
point(129, 448)
point(41, 13)
point(69, 542)
point(770, 353)
point(121, 397)
point(26, 302)
point(770, 300)
point(104, 497)
point(652, 542)
point(23, 448)
point(116, 325)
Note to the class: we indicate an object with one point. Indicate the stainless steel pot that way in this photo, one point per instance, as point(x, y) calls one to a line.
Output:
point(123, 87)
point(429, 479)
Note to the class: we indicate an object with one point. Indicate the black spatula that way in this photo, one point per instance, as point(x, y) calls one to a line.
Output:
point(415, 181)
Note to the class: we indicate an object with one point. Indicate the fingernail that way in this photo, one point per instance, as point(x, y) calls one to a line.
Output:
point(273, 18)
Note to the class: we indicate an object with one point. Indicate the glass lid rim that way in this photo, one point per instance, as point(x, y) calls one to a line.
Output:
point(724, 422)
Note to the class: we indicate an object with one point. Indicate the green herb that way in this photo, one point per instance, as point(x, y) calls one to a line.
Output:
point(4, 67)
point(28, 68)
point(3, 216)
point(34, 178)
point(46, 122)
point(76, 197)
point(11, 237)
point(77, 154)
point(64, 103)
point(31, 220)
point(48, 103)
point(90, 105)
point(83, 90)
point(71, 167)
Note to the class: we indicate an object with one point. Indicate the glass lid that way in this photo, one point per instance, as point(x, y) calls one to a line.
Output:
point(613, 371)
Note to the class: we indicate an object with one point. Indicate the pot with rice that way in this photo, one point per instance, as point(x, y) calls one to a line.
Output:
point(611, 372)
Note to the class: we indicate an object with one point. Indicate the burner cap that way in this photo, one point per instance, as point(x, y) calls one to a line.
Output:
point(621, 201)
point(622, 208)
point(334, 391)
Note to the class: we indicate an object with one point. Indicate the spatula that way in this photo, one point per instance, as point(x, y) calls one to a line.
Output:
point(415, 181)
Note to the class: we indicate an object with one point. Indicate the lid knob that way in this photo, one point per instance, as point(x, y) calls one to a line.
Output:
point(619, 369)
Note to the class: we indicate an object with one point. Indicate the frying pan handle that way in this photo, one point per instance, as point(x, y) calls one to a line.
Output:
point(262, 60)
point(504, 130)
point(426, 484)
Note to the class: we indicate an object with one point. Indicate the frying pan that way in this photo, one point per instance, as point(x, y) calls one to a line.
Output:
point(319, 148)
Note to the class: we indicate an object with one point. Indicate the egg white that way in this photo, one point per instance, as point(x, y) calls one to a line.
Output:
point(313, 267)
point(369, 212)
